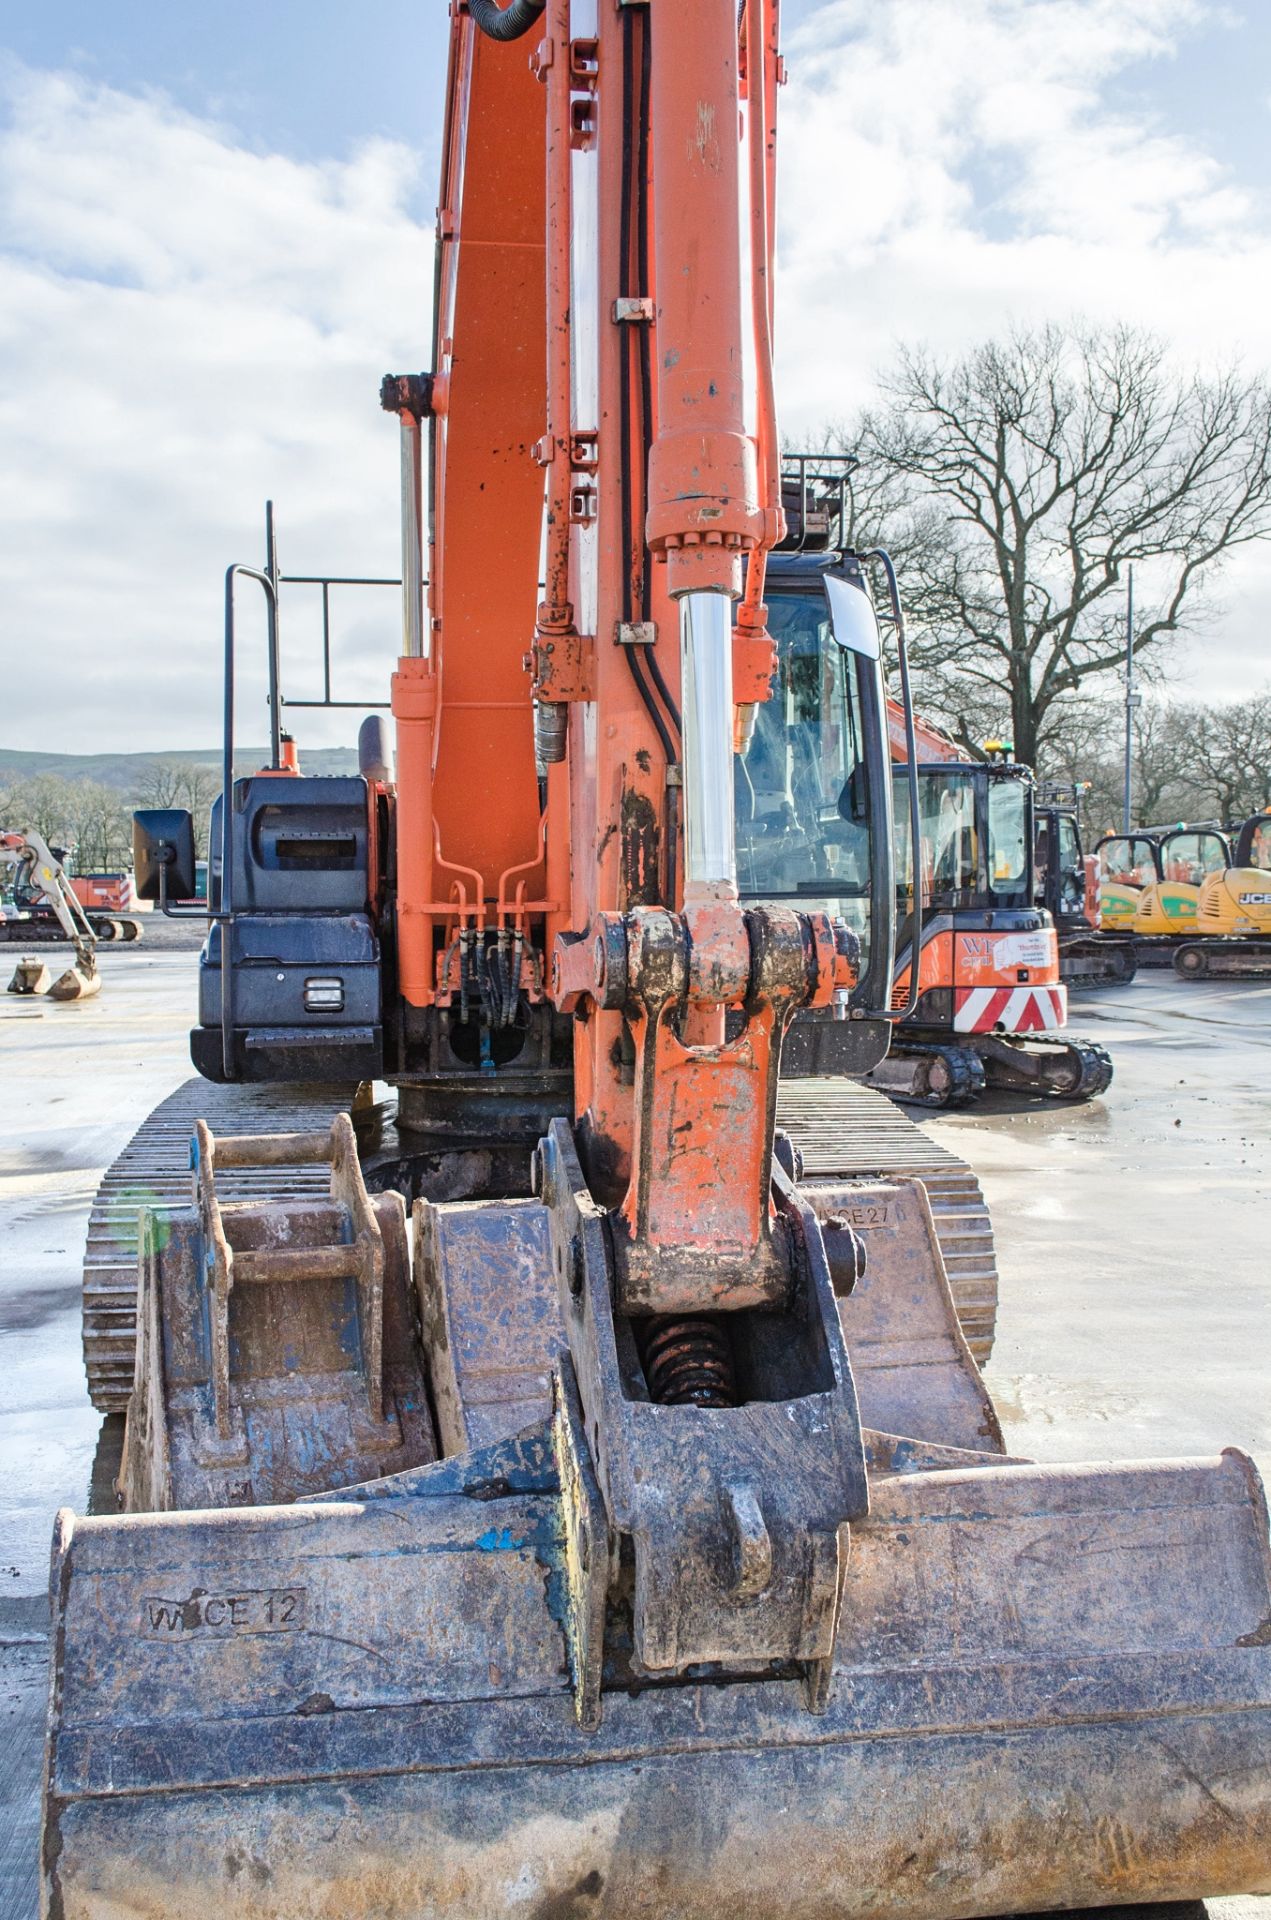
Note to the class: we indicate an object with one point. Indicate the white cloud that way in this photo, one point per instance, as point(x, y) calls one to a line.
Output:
point(186, 326)
point(951, 167)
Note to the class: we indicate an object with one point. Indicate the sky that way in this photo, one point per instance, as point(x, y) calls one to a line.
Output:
point(215, 236)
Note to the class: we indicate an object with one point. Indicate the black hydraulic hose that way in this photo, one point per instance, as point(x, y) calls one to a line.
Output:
point(506, 23)
point(670, 807)
point(646, 373)
point(624, 399)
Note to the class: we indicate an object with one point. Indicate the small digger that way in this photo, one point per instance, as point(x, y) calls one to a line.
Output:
point(988, 1005)
point(1150, 884)
point(1233, 912)
point(45, 907)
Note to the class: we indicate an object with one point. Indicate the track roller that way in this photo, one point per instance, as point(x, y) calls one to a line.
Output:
point(1191, 962)
point(926, 1074)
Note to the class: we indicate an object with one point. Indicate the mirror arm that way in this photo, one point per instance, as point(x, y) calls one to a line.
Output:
point(166, 856)
point(884, 559)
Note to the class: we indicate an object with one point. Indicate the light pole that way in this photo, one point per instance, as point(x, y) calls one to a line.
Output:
point(1131, 698)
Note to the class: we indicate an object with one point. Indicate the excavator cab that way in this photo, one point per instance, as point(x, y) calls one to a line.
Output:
point(1185, 857)
point(1067, 886)
point(1129, 863)
point(812, 787)
point(1253, 844)
point(1060, 866)
point(978, 986)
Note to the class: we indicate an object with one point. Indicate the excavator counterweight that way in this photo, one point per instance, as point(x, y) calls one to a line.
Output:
point(650, 1546)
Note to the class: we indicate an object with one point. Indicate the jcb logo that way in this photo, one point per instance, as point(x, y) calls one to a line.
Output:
point(1255, 899)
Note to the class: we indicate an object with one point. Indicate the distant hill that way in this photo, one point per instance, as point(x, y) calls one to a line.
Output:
point(125, 771)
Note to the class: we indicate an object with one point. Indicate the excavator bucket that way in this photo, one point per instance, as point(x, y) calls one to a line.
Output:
point(1051, 1688)
point(77, 983)
point(30, 976)
point(423, 1695)
point(276, 1351)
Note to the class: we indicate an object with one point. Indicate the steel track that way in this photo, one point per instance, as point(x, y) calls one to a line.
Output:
point(843, 1130)
point(847, 1131)
point(154, 1170)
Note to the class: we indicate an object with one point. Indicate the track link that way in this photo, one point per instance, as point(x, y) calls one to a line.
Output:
point(1225, 958)
point(1094, 1071)
point(1097, 962)
point(846, 1131)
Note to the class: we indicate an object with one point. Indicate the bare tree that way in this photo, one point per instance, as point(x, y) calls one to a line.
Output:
point(1190, 761)
point(192, 784)
point(87, 819)
point(1230, 749)
point(1020, 482)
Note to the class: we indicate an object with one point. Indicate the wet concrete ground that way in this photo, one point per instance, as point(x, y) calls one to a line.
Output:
point(1133, 1240)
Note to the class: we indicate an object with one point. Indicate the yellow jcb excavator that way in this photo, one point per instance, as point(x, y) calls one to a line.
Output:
point(1233, 912)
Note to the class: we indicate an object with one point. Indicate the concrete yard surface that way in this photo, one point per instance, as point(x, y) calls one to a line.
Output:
point(1132, 1239)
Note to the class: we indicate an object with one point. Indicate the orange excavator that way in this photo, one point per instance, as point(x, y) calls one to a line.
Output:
point(988, 1005)
point(644, 1541)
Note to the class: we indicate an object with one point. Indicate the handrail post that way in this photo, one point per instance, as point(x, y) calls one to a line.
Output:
point(226, 914)
point(275, 658)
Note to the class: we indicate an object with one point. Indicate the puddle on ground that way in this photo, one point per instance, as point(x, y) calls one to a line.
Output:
point(29, 1307)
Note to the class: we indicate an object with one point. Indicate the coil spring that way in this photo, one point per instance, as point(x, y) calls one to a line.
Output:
point(688, 1362)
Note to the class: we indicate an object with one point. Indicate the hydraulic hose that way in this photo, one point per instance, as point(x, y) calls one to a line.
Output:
point(505, 23)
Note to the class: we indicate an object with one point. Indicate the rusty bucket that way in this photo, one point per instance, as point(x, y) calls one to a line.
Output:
point(419, 1697)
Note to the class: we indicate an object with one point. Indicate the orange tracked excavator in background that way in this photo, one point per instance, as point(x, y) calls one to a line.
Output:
point(650, 1544)
point(987, 1006)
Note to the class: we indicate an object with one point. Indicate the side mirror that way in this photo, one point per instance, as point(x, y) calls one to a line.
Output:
point(852, 614)
point(163, 852)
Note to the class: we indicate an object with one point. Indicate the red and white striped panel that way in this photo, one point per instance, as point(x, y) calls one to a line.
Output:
point(1013, 1009)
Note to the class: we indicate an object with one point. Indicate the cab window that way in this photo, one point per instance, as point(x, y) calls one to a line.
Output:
point(1069, 865)
point(952, 863)
point(1008, 836)
point(1260, 846)
point(1188, 857)
point(800, 786)
point(1130, 861)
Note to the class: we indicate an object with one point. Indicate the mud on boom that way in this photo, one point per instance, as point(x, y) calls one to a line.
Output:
point(645, 1542)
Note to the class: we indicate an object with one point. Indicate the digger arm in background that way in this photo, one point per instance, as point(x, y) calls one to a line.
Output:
point(39, 873)
point(932, 744)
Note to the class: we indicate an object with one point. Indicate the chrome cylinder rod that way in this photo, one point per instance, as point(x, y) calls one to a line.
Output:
point(706, 666)
point(412, 539)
